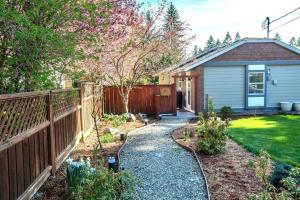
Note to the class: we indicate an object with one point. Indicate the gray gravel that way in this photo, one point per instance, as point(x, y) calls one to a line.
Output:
point(164, 169)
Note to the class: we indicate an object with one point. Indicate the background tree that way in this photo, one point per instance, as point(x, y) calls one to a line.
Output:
point(133, 49)
point(237, 36)
point(292, 41)
point(175, 36)
point(277, 36)
point(228, 39)
point(195, 50)
point(38, 39)
point(200, 50)
point(298, 42)
point(211, 43)
point(218, 43)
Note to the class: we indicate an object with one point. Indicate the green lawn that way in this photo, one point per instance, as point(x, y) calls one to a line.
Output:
point(279, 135)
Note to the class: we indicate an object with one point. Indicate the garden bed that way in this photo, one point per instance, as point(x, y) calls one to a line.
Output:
point(55, 188)
point(229, 176)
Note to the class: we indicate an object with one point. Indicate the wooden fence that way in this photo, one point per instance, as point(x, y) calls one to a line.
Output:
point(38, 130)
point(149, 99)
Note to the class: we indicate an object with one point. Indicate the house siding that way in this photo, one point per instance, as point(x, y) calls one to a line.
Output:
point(288, 85)
point(226, 85)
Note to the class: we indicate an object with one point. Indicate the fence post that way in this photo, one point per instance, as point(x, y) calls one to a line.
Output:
point(81, 96)
point(174, 96)
point(51, 133)
point(157, 105)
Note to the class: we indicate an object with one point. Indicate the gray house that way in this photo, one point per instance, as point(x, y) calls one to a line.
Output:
point(248, 74)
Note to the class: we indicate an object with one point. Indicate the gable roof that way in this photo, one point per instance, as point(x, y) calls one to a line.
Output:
point(215, 52)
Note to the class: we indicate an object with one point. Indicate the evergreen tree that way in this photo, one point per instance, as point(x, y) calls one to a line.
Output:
point(298, 42)
point(175, 32)
point(237, 36)
point(227, 39)
point(211, 43)
point(200, 50)
point(277, 36)
point(195, 51)
point(218, 43)
point(293, 41)
point(172, 19)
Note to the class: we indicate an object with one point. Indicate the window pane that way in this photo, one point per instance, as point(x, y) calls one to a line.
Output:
point(255, 88)
point(256, 77)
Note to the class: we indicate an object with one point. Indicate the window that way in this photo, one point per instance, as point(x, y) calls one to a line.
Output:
point(256, 83)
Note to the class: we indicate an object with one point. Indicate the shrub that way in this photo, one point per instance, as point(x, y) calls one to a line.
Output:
point(186, 135)
point(291, 191)
point(85, 182)
point(226, 112)
point(212, 133)
point(280, 172)
point(107, 138)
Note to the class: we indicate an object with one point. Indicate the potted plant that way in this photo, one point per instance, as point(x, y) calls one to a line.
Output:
point(286, 106)
point(297, 106)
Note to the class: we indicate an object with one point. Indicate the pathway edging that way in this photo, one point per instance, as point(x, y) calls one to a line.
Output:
point(198, 161)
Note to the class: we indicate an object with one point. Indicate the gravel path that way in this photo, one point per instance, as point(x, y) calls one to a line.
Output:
point(164, 169)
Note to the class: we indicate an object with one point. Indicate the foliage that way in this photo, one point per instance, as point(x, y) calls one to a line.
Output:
point(86, 182)
point(116, 120)
point(211, 43)
point(107, 138)
point(277, 36)
point(292, 41)
point(226, 112)
point(228, 39)
point(186, 135)
point(237, 36)
point(175, 35)
point(212, 132)
point(279, 135)
point(261, 168)
point(39, 40)
point(280, 172)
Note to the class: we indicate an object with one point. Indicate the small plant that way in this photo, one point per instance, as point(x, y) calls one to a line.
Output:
point(107, 138)
point(86, 182)
point(212, 132)
point(226, 113)
point(186, 135)
point(280, 172)
point(116, 120)
point(261, 167)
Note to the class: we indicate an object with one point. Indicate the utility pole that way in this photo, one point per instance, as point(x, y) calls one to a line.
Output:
point(268, 27)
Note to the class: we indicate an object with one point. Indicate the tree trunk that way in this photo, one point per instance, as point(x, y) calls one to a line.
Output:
point(125, 101)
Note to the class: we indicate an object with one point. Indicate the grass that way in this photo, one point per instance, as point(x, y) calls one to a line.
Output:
point(279, 135)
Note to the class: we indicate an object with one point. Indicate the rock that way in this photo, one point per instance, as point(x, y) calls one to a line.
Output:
point(130, 117)
point(141, 116)
point(113, 131)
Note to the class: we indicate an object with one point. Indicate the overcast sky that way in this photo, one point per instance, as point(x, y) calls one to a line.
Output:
point(216, 17)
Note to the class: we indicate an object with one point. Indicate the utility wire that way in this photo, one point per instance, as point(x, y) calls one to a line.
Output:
point(285, 15)
point(285, 23)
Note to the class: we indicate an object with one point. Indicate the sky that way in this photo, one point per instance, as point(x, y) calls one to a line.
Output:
point(216, 17)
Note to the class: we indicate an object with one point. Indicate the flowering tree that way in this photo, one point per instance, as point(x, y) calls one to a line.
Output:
point(132, 47)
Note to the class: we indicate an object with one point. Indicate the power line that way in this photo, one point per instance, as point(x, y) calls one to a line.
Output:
point(266, 23)
point(285, 23)
point(285, 15)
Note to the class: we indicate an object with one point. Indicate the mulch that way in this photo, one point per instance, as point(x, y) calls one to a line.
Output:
point(229, 176)
point(55, 188)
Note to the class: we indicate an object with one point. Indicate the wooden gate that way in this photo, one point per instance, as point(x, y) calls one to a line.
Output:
point(149, 99)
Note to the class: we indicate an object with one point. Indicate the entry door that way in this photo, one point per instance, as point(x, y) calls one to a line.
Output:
point(256, 86)
point(188, 94)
